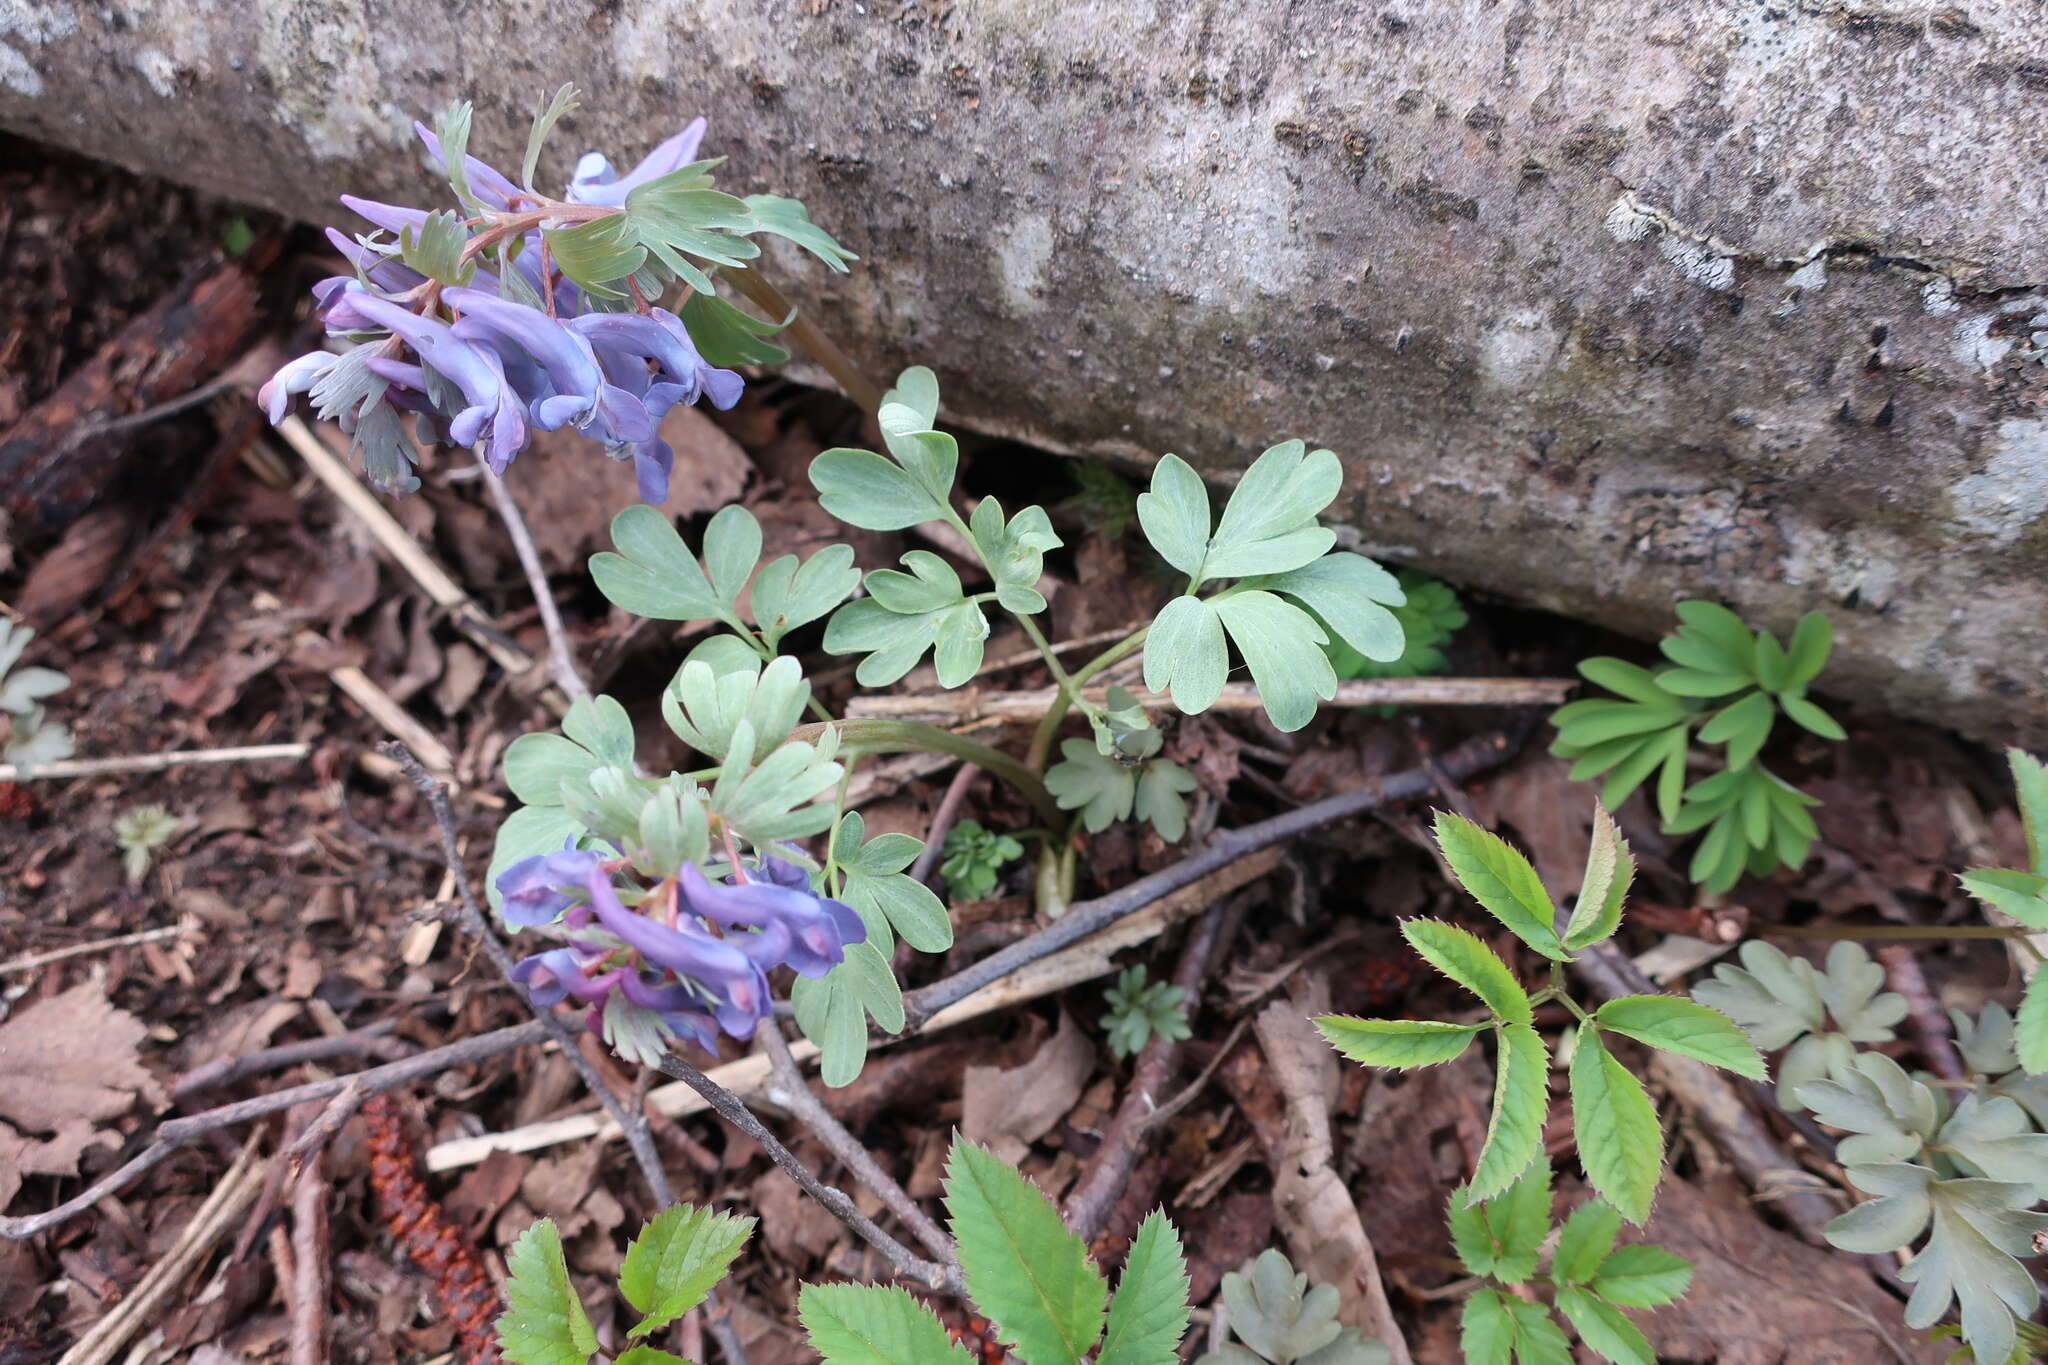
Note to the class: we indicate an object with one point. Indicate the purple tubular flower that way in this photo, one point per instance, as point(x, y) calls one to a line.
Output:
point(293, 377)
point(383, 271)
point(476, 370)
point(582, 394)
point(597, 183)
point(660, 336)
point(492, 189)
point(795, 927)
point(393, 218)
point(533, 888)
point(736, 984)
point(553, 976)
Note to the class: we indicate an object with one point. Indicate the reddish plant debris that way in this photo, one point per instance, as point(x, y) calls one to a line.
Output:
point(423, 1229)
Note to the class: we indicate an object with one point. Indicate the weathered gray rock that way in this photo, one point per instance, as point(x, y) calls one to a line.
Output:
point(1605, 303)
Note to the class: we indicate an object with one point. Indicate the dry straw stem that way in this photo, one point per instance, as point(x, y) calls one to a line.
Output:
point(151, 763)
point(972, 704)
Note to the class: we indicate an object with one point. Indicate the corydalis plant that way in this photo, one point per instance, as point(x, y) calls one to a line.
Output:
point(1817, 1016)
point(31, 737)
point(1726, 685)
point(1140, 1011)
point(1620, 1143)
point(519, 309)
point(1279, 1320)
point(767, 788)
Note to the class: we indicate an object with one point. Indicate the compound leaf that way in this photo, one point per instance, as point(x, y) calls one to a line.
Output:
point(1521, 1100)
point(1024, 1269)
point(1501, 880)
point(858, 1324)
point(1583, 1245)
point(1282, 646)
point(1397, 1042)
point(1464, 959)
point(653, 574)
point(1686, 1027)
point(543, 1322)
point(676, 1260)
point(1150, 1313)
point(1620, 1143)
point(1610, 869)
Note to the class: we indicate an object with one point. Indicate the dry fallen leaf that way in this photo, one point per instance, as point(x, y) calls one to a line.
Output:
point(70, 1058)
point(1314, 1210)
point(65, 1065)
point(1007, 1111)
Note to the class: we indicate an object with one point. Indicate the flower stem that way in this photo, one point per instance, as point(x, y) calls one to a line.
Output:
point(808, 335)
point(1070, 692)
point(864, 735)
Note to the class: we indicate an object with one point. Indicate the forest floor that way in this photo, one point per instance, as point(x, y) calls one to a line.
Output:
point(209, 591)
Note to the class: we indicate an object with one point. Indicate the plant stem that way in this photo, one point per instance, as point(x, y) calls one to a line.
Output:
point(808, 335)
point(1883, 931)
point(869, 736)
point(1070, 690)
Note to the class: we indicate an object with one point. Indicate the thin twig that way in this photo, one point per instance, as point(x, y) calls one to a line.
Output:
point(228, 1070)
point(150, 763)
point(1193, 1090)
point(788, 1088)
point(310, 1257)
point(189, 399)
point(175, 1133)
point(969, 703)
point(639, 1136)
point(22, 964)
point(906, 1262)
point(397, 542)
point(942, 822)
point(561, 659)
point(1225, 847)
point(1109, 1169)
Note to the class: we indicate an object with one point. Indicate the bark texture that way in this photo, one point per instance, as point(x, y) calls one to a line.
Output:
point(1604, 302)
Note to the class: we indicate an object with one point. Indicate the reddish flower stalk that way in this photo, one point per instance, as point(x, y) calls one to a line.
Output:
point(462, 1287)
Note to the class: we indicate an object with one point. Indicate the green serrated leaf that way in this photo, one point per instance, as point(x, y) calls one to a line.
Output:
point(676, 1260)
point(2023, 895)
point(649, 1355)
point(1282, 646)
point(1502, 1237)
point(1397, 1042)
point(653, 574)
point(1150, 1313)
point(1686, 1027)
point(543, 1322)
point(1026, 1272)
point(1620, 1142)
point(2030, 1031)
point(1501, 880)
point(1464, 959)
point(1601, 1326)
point(1521, 1100)
point(854, 1324)
point(1642, 1276)
point(1583, 1245)
point(1610, 870)
point(1500, 1329)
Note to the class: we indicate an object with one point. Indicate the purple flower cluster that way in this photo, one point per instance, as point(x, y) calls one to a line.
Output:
point(480, 365)
point(702, 968)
